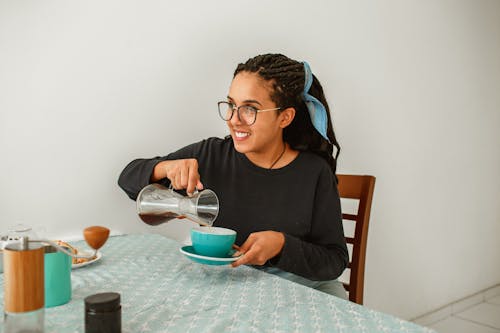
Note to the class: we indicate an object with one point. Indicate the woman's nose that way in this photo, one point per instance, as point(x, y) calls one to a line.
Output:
point(235, 119)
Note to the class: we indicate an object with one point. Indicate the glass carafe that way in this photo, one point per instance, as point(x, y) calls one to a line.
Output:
point(157, 204)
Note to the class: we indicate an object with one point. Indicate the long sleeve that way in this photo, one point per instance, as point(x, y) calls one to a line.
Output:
point(137, 174)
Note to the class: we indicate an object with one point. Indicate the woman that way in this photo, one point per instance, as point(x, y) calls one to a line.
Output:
point(274, 175)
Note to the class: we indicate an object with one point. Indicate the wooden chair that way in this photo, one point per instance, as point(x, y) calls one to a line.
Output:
point(360, 188)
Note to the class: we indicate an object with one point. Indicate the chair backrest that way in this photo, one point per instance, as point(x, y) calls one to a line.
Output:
point(360, 188)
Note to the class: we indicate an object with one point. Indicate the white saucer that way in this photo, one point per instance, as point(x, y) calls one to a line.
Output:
point(189, 252)
point(85, 263)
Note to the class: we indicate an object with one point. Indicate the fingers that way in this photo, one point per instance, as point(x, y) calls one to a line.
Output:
point(183, 177)
point(248, 243)
point(199, 185)
point(245, 259)
point(259, 247)
point(183, 174)
point(254, 256)
point(238, 252)
point(193, 180)
point(247, 250)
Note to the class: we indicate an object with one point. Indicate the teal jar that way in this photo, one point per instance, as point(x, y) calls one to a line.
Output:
point(57, 277)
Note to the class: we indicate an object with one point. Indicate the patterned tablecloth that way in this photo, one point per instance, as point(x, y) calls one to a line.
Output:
point(163, 291)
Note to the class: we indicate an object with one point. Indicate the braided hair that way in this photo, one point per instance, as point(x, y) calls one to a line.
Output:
point(287, 79)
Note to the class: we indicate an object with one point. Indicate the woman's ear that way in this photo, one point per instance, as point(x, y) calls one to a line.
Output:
point(287, 116)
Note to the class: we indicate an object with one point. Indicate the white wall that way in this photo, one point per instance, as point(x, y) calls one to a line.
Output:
point(86, 86)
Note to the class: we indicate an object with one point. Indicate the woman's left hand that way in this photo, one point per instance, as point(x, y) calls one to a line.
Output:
point(259, 248)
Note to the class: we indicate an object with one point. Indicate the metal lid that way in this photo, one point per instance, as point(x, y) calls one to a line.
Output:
point(22, 244)
point(103, 302)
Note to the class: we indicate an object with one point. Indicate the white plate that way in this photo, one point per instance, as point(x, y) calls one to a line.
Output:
point(98, 257)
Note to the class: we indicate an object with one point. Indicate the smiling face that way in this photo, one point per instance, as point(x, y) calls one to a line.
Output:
point(261, 140)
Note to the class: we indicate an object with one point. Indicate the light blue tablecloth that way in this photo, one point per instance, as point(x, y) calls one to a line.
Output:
point(162, 291)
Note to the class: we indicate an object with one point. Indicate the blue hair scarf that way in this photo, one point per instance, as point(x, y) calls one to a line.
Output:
point(317, 111)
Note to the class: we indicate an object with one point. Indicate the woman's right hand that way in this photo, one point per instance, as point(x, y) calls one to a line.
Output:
point(183, 174)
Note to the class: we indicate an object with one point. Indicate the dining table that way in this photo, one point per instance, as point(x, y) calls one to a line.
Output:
point(162, 290)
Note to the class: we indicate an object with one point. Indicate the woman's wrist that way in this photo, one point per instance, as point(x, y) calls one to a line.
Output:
point(282, 239)
point(159, 171)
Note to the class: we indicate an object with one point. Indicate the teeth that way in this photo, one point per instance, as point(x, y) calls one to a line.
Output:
point(241, 134)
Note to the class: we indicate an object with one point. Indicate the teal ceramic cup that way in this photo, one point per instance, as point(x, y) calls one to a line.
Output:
point(57, 267)
point(213, 241)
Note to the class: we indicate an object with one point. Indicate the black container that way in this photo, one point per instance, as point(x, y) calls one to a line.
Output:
point(103, 313)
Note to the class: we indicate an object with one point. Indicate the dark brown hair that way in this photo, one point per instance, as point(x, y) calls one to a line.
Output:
point(287, 79)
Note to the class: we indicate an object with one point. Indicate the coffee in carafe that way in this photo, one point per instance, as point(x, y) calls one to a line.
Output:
point(158, 219)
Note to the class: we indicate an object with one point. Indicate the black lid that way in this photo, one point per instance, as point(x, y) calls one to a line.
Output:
point(103, 302)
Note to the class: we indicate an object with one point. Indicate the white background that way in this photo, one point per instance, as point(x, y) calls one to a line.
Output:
point(87, 86)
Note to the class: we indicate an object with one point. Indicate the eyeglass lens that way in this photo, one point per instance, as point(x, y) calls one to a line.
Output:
point(246, 113)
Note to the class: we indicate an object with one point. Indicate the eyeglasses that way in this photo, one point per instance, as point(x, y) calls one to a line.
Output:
point(246, 114)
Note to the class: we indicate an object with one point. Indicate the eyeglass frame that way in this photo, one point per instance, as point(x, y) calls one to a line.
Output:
point(237, 108)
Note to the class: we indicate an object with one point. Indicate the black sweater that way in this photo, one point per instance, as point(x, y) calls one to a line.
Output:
point(300, 200)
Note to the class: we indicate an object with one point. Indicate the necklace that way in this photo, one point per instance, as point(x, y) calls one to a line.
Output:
point(279, 157)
